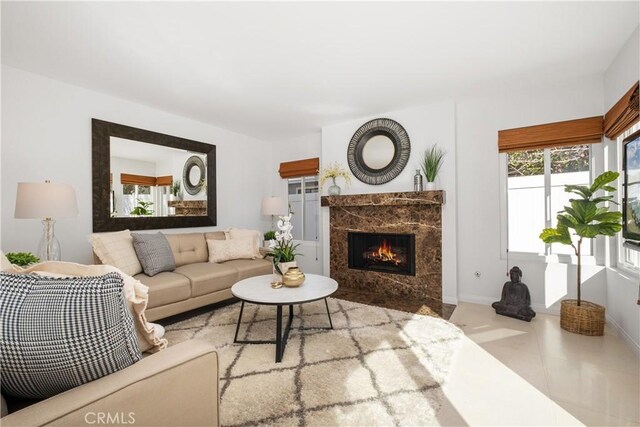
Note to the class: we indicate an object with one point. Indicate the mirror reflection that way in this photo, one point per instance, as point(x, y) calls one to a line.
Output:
point(378, 152)
point(147, 181)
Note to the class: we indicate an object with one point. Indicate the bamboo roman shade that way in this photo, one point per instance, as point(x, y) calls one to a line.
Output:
point(570, 132)
point(164, 180)
point(127, 178)
point(298, 168)
point(623, 114)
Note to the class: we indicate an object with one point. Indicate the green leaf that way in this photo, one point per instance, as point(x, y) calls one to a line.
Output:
point(608, 188)
point(614, 217)
point(581, 190)
point(556, 235)
point(567, 221)
point(602, 181)
point(604, 199)
point(584, 210)
point(587, 230)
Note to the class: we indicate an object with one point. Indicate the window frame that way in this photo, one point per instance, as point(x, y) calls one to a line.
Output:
point(303, 204)
point(620, 262)
point(547, 256)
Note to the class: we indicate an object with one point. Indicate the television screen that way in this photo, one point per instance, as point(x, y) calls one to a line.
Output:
point(631, 202)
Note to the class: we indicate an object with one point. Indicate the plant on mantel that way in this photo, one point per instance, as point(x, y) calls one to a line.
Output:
point(333, 171)
point(432, 161)
point(584, 219)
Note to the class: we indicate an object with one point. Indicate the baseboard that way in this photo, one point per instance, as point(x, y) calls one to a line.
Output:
point(635, 347)
point(538, 308)
point(450, 300)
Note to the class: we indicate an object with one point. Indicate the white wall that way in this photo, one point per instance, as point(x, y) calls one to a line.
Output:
point(303, 147)
point(480, 213)
point(46, 134)
point(426, 125)
point(622, 286)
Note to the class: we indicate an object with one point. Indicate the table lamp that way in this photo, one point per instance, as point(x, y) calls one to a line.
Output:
point(273, 206)
point(46, 201)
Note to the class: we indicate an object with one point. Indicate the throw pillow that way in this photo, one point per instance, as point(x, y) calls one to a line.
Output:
point(154, 253)
point(116, 249)
point(226, 250)
point(252, 235)
point(135, 292)
point(58, 334)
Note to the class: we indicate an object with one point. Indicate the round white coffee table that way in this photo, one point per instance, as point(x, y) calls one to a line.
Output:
point(258, 290)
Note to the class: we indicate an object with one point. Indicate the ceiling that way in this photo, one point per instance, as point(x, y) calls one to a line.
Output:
point(276, 70)
point(138, 150)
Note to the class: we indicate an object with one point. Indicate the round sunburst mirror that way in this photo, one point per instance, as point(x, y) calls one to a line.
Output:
point(379, 150)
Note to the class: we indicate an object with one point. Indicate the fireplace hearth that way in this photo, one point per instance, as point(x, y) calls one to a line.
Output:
point(384, 252)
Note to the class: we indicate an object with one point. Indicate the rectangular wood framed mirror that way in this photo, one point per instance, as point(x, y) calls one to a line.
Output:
point(146, 180)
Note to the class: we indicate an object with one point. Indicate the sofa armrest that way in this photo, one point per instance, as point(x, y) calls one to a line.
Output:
point(177, 386)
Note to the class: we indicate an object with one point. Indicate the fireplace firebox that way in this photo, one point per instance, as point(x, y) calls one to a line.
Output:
point(383, 252)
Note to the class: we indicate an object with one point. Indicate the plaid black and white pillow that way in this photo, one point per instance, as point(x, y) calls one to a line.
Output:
point(57, 334)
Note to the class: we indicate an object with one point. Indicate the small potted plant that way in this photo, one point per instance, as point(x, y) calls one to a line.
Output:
point(584, 219)
point(269, 237)
point(22, 259)
point(142, 209)
point(333, 171)
point(283, 252)
point(175, 190)
point(432, 160)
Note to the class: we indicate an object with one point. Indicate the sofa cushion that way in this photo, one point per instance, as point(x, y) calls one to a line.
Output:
point(165, 288)
point(188, 248)
point(225, 250)
point(61, 333)
point(250, 267)
point(154, 253)
point(206, 277)
point(116, 249)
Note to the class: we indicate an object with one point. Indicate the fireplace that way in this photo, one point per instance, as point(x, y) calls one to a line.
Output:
point(383, 252)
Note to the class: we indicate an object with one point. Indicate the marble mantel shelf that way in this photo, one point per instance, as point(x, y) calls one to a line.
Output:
point(386, 199)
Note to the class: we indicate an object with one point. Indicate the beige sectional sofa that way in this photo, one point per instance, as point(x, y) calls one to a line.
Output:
point(175, 387)
point(196, 282)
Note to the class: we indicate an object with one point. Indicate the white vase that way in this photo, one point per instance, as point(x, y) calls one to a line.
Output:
point(284, 266)
point(430, 186)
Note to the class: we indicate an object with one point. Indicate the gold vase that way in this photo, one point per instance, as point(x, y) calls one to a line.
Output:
point(293, 278)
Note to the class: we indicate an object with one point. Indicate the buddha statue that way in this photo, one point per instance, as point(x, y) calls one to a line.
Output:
point(516, 300)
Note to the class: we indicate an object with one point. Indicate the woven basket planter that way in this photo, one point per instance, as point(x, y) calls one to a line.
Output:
point(585, 319)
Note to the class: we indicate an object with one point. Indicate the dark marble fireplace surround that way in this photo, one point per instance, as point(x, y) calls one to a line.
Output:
point(418, 213)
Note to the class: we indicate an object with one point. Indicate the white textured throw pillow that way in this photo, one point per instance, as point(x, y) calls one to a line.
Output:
point(226, 250)
point(244, 234)
point(116, 249)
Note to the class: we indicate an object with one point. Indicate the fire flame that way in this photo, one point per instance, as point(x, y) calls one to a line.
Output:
point(385, 254)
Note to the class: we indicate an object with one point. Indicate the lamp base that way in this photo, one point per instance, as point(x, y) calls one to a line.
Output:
point(49, 247)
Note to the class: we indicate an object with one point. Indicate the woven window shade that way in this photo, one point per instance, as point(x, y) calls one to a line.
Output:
point(164, 180)
point(298, 168)
point(127, 178)
point(623, 114)
point(570, 132)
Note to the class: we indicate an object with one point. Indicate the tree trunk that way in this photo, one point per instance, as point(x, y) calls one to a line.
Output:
point(579, 268)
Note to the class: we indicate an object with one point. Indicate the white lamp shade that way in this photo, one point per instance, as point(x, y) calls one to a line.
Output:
point(273, 206)
point(45, 200)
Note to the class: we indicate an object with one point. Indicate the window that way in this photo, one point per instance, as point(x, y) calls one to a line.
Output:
point(304, 203)
point(535, 194)
point(132, 194)
point(627, 257)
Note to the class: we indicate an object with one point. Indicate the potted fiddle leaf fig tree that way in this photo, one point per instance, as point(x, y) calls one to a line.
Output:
point(586, 218)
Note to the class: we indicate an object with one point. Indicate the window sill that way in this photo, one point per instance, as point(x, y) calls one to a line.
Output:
point(548, 259)
point(625, 271)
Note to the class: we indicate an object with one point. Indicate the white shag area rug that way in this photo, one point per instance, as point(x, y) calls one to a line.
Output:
point(376, 367)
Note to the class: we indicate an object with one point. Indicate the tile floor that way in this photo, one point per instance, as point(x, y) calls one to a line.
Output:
point(510, 372)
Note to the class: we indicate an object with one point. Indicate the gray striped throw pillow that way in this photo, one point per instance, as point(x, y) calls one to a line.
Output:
point(154, 253)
